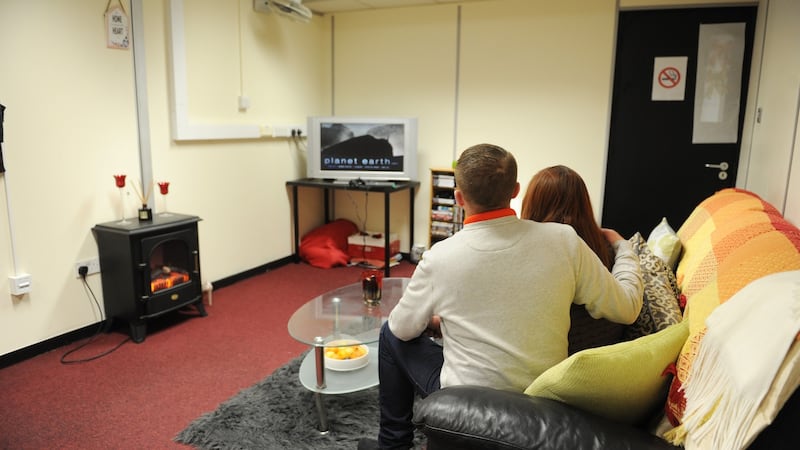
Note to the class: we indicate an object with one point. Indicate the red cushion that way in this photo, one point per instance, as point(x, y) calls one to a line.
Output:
point(326, 246)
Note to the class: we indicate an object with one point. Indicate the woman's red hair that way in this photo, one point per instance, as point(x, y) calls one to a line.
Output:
point(558, 194)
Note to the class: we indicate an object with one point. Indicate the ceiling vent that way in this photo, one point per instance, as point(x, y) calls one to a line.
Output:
point(292, 9)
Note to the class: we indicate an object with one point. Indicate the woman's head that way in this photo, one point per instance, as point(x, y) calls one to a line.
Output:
point(558, 194)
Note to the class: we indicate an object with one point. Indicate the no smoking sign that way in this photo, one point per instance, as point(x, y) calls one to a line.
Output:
point(668, 78)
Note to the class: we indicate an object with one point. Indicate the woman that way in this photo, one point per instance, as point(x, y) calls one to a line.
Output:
point(558, 194)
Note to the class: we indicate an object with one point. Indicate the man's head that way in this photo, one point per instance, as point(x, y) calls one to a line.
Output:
point(486, 176)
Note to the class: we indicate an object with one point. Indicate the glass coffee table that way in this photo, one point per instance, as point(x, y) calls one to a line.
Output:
point(341, 314)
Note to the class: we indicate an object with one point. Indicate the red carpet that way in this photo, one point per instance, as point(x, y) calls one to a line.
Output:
point(142, 395)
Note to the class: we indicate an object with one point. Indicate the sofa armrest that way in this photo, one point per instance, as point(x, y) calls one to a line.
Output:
point(471, 417)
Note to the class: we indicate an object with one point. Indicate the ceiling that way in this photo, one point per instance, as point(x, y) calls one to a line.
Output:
point(333, 6)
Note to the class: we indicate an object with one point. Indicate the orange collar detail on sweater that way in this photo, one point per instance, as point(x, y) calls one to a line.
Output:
point(488, 215)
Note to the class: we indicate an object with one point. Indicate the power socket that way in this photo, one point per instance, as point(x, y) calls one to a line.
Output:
point(279, 131)
point(20, 284)
point(92, 264)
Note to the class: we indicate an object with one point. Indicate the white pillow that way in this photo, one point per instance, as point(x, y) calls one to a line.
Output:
point(664, 243)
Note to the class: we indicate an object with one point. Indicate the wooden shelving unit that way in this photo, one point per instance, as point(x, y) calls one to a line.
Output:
point(446, 218)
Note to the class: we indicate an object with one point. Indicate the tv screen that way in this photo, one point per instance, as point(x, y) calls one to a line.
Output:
point(370, 148)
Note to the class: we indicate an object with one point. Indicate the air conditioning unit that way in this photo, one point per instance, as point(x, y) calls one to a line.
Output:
point(292, 9)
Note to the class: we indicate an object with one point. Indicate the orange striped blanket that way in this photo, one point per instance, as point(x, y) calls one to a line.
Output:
point(731, 239)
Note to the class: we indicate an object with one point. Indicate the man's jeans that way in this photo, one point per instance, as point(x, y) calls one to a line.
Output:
point(406, 369)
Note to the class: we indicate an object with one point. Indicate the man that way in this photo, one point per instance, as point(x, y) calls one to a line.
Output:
point(499, 293)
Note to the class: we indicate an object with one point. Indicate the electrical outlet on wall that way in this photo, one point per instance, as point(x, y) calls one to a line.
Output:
point(93, 266)
point(20, 284)
point(295, 130)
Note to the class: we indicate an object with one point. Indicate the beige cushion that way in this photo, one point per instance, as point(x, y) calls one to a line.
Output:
point(623, 382)
point(665, 244)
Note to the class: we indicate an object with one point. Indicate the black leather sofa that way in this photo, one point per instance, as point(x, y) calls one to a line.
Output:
point(472, 418)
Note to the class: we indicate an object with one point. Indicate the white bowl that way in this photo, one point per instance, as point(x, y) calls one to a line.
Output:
point(337, 355)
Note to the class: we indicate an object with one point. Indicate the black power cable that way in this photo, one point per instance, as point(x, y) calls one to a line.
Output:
point(363, 224)
point(83, 271)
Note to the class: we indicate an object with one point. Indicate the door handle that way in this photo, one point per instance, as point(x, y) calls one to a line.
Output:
point(721, 166)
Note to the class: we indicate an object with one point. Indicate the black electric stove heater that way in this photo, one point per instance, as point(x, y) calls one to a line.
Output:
point(149, 268)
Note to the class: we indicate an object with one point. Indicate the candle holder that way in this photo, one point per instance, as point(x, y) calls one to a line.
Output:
point(119, 180)
point(163, 187)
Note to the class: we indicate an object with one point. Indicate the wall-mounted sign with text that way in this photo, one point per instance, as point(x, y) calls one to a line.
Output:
point(117, 26)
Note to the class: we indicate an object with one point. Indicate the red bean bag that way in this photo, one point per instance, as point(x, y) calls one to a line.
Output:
point(326, 246)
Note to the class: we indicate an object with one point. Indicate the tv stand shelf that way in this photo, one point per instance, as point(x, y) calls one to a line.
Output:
point(328, 186)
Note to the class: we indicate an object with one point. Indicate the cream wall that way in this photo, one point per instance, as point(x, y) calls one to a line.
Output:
point(398, 62)
point(71, 123)
point(498, 83)
point(237, 186)
point(546, 96)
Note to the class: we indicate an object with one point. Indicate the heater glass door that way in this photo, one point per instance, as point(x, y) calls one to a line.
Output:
point(170, 262)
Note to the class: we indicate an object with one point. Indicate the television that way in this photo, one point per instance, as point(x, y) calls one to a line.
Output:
point(375, 148)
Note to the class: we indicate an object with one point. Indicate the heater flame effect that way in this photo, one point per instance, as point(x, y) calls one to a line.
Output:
point(166, 278)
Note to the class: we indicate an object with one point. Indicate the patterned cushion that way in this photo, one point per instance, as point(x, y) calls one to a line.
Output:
point(729, 240)
point(660, 306)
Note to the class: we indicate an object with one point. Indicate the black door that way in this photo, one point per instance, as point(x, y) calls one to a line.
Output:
point(654, 170)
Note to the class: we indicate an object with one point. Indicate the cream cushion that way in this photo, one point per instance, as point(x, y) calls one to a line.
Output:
point(664, 242)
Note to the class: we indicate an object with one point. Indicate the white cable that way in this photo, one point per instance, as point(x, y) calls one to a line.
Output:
point(10, 225)
point(241, 59)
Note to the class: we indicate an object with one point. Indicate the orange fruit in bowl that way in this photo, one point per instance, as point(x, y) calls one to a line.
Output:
point(349, 352)
point(341, 356)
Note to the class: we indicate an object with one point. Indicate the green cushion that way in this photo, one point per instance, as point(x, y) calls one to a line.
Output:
point(623, 382)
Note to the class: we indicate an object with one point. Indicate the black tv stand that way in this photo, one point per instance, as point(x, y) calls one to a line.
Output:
point(386, 187)
point(360, 183)
point(387, 183)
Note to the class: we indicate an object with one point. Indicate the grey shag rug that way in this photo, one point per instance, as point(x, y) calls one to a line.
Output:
point(279, 413)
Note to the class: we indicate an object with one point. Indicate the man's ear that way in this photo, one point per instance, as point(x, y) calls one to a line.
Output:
point(459, 197)
point(516, 190)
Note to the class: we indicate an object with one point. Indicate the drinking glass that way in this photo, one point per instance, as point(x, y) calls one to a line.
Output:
point(371, 284)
